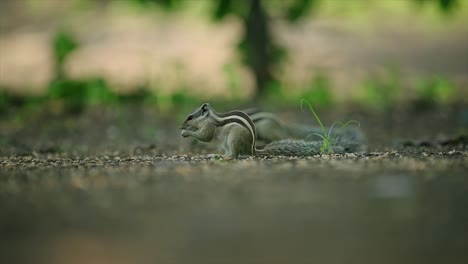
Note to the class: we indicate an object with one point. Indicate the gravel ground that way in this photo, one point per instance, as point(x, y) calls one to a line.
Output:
point(100, 190)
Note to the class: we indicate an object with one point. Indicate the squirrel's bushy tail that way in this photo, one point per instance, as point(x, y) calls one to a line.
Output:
point(346, 145)
point(290, 147)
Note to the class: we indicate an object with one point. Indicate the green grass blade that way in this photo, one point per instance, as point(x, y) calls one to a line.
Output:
point(348, 123)
point(314, 113)
point(316, 134)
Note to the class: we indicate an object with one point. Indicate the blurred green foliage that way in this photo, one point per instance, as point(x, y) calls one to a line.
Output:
point(233, 80)
point(444, 5)
point(7, 99)
point(167, 4)
point(299, 9)
point(75, 95)
point(259, 51)
point(318, 92)
point(258, 48)
point(435, 90)
point(63, 45)
point(381, 90)
point(78, 94)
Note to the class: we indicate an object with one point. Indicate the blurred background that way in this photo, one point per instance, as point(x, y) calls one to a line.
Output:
point(167, 52)
point(93, 168)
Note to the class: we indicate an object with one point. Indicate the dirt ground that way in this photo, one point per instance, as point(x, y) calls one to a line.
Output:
point(121, 186)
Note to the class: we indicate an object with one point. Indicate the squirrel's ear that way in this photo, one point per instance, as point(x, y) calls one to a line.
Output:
point(205, 107)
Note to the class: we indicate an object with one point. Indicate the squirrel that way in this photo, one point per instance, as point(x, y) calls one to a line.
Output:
point(271, 128)
point(237, 133)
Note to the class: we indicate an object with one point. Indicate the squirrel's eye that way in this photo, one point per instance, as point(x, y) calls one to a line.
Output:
point(189, 117)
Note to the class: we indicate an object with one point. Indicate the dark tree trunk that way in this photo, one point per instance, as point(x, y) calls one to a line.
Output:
point(258, 46)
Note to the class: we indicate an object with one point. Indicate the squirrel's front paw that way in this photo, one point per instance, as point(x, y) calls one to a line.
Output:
point(184, 133)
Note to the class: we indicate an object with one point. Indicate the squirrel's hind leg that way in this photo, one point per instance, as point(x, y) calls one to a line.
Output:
point(235, 146)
